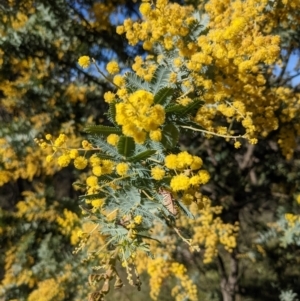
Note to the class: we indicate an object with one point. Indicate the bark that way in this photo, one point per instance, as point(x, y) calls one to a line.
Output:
point(229, 279)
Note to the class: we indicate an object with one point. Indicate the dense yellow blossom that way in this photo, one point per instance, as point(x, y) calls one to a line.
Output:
point(138, 115)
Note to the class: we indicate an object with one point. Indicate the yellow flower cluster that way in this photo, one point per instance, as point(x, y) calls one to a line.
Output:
point(292, 219)
point(161, 268)
point(209, 230)
point(32, 164)
point(101, 167)
point(34, 208)
point(144, 69)
point(48, 290)
point(19, 278)
point(238, 49)
point(101, 12)
point(158, 270)
point(187, 165)
point(187, 289)
point(138, 115)
point(161, 23)
point(68, 224)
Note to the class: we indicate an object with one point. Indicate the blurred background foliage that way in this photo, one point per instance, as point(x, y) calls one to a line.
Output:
point(43, 90)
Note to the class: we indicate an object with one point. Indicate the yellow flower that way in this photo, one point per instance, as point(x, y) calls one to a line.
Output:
point(139, 137)
point(187, 199)
point(48, 137)
point(184, 159)
point(97, 171)
point(138, 219)
point(204, 176)
point(91, 181)
point(74, 153)
point(63, 160)
point(195, 180)
point(119, 80)
point(171, 161)
point(145, 8)
point(197, 163)
point(107, 166)
point(95, 160)
point(237, 144)
point(122, 169)
point(84, 61)
point(157, 173)
point(147, 45)
point(49, 158)
point(112, 67)
point(86, 145)
point(120, 29)
point(113, 139)
point(62, 138)
point(109, 97)
point(97, 202)
point(155, 135)
point(180, 182)
point(80, 162)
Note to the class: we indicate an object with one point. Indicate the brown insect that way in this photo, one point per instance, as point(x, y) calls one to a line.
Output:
point(168, 201)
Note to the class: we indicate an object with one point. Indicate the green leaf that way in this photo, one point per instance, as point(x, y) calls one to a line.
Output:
point(105, 157)
point(142, 156)
point(102, 129)
point(170, 136)
point(160, 79)
point(185, 110)
point(133, 195)
point(185, 210)
point(126, 146)
point(163, 96)
point(134, 82)
point(111, 113)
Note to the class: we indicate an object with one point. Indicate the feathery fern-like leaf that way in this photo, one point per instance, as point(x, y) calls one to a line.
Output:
point(160, 79)
point(126, 146)
point(134, 82)
point(102, 129)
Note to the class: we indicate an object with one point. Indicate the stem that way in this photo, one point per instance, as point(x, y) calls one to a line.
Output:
point(105, 245)
point(118, 179)
point(94, 228)
point(148, 196)
point(98, 69)
point(211, 133)
point(179, 234)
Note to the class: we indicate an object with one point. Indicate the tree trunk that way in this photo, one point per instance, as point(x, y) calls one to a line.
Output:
point(229, 285)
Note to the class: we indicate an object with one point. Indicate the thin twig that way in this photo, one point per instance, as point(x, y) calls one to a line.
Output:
point(211, 133)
